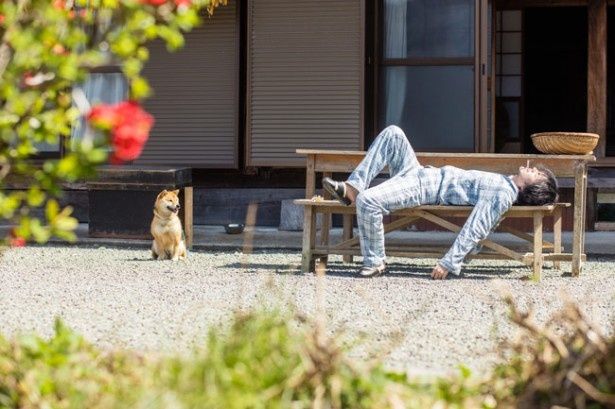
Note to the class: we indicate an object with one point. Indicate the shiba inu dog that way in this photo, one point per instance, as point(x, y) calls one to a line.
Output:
point(166, 228)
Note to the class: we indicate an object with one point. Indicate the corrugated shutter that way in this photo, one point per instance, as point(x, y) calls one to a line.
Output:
point(305, 78)
point(196, 100)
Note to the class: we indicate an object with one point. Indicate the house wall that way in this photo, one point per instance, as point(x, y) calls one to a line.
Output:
point(195, 99)
point(301, 85)
point(304, 78)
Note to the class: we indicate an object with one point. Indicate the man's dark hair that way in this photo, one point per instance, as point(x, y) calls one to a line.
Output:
point(541, 193)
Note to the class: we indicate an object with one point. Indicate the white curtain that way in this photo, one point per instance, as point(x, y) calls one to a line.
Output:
point(108, 88)
point(395, 47)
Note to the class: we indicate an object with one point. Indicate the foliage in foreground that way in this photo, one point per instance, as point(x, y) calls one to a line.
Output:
point(267, 360)
point(571, 364)
point(48, 48)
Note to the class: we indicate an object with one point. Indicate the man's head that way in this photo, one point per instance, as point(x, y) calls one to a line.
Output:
point(537, 186)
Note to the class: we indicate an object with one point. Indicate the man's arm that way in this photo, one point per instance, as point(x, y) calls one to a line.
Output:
point(485, 216)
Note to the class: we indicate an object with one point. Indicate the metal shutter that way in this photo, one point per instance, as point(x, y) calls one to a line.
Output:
point(305, 78)
point(196, 100)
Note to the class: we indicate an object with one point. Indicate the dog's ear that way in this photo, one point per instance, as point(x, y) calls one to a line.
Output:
point(175, 192)
point(161, 194)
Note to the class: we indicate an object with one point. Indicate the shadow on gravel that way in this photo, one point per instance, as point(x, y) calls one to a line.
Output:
point(421, 272)
point(401, 270)
point(150, 259)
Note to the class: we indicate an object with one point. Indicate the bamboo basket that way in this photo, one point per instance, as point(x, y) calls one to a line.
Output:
point(566, 143)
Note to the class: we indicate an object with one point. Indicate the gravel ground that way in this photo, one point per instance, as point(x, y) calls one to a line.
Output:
point(119, 297)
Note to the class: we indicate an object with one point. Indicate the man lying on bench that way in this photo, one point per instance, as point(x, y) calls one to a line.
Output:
point(411, 184)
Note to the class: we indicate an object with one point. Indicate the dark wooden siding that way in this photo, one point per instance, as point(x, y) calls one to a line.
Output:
point(196, 101)
point(305, 78)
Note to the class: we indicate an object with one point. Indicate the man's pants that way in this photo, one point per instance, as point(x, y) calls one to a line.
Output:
point(410, 185)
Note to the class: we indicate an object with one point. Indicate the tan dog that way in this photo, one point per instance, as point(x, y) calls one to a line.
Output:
point(166, 228)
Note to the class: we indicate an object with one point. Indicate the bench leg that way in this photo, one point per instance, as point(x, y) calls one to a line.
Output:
point(557, 234)
point(347, 235)
point(324, 239)
point(537, 263)
point(309, 238)
point(187, 207)
point(580, 184)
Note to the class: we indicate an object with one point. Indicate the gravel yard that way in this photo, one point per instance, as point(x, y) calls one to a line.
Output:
point(119, 297)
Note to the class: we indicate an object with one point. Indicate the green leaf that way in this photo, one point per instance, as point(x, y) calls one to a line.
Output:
point(139, 88)
point(35, 196)
point(40, 233)
point(65, 235)
point(97, 155)
point(465, 371)
point(52, 209)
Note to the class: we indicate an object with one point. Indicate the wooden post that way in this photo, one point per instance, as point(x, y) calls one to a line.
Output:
point(347, 235)
point(325, 228)
point(537, 262)
point(578, 235)
point(309, 239)
point(310, 177)
point(188, 216)
point(597, 71)
point(585, 203)
point(309, 216)
point(557, 233)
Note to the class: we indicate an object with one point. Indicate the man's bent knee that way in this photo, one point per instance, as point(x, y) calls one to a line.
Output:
point(365, 202)
point(394, 130)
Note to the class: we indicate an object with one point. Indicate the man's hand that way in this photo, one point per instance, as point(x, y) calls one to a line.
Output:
point(439, 272)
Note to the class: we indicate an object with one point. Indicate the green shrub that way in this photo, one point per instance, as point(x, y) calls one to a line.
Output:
point(261, 361)
point(565, 363)
point(63, 372)
point(269, 359)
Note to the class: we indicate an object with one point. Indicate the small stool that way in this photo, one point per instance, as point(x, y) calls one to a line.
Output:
point(122, 200)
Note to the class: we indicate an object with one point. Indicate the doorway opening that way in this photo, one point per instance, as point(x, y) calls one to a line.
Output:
point(555, 71)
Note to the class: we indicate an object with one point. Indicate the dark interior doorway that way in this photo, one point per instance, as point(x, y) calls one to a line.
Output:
point(555, 71)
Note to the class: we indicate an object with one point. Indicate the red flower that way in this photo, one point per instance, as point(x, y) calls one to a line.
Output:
point(1, 18)
point(157, 3)
point(58, 49)
point(129, 125)
point(154, 2)
point(103, 116)
point(16, 240)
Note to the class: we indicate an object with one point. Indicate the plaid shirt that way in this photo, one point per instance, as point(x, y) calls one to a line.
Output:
point(491, 194)
point(412, 185)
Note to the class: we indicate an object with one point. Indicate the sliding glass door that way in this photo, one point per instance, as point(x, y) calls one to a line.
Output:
point(429, 73)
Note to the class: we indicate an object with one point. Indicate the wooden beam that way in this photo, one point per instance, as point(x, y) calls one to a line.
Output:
point(596, 71)
point(537, 259)
point(506, 163)
point(557, 235)
point(519, 4)
point(309, 240)
point(188, 216)
point(578, 235)
point(455, 228)
point(347, 235)
point(526, 236)
point(326, 224)
point(389, 227)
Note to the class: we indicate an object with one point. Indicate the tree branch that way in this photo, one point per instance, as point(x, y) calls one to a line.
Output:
point(5, 49)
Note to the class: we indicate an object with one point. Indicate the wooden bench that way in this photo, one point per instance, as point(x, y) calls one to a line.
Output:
point(327, 162)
